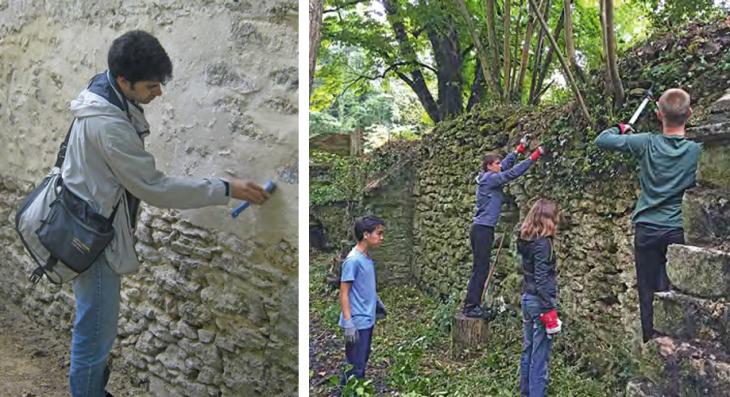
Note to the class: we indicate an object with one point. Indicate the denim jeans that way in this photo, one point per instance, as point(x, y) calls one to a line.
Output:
point(358, 354)
point(95, 328)
point(535, 351)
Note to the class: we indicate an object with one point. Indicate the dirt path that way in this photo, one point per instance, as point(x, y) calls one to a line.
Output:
point(34, 360)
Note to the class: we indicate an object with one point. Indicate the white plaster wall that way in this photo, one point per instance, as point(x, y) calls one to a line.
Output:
point(230, 109)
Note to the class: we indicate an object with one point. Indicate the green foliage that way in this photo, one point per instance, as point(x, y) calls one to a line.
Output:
point(323, 123)
point(341, 178)
point(354, 387)
point(677, 12)
point(412, 349)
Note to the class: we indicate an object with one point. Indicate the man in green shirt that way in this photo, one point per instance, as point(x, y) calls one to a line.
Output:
point(667, 167)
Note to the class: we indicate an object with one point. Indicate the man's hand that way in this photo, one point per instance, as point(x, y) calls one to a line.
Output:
point(625, 128)
point(351, 335)
point(249, 191)
point(380, 312)
point(537, 153)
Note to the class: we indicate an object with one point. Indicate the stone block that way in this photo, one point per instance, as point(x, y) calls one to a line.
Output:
point(686, 317)
point(713, 134)
point(686, 369)
point(699, 271)
point(642, 388)
point(173, 358)
point(706, 214)
point(714, 167)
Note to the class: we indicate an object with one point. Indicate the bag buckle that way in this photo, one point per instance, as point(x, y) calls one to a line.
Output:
point(36, 276)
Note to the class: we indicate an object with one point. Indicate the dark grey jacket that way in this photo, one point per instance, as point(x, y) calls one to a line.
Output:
point(489, 189)
point(539, 270)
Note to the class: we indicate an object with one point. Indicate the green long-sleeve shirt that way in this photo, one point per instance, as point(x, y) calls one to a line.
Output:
point(667, 167)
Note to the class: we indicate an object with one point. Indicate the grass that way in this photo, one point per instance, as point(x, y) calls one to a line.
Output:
point(411, 350)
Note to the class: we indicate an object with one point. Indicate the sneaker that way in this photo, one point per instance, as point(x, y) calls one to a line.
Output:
point(488, 314)
point(474, 312)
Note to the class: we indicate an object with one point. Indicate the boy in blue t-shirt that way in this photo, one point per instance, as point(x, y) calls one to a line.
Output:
point(358, 295)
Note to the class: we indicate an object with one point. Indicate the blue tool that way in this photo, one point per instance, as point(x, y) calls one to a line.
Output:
point(269, 186)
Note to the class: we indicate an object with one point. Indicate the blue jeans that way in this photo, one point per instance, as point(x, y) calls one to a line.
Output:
point(95, 328)
point(358, 354)
point(535, 351)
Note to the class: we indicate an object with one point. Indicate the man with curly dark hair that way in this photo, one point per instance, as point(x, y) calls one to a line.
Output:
point(106, 165)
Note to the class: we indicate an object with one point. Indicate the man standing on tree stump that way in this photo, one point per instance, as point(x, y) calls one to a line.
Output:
point(667, 167)
point(489, 196)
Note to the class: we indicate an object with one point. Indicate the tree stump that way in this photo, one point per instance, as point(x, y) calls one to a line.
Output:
point(468, 335)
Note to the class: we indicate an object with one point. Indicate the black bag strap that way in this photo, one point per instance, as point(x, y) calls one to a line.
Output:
point(39, 271)
point(62, 150)
point(114, 212)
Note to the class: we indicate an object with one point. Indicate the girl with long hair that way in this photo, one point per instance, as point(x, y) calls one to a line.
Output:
point(539, 295)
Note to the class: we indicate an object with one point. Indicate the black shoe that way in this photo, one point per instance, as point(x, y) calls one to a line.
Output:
point(474, 312)
point(488, 314)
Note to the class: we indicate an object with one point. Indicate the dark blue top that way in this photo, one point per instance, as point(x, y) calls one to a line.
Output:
point(539, 274)
point(489, 189)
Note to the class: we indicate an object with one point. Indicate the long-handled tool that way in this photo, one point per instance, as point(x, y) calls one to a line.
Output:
point(637, 113)
point(269, 187)
point(491, 269)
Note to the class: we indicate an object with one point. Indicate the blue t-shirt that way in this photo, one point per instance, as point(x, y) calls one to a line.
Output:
point(359, 269)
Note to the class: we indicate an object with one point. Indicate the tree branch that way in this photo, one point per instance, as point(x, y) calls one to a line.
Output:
point(566, 70)
point(343, 6)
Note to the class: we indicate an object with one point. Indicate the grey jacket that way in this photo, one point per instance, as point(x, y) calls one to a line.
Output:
point(489, 189)
point(106, 155)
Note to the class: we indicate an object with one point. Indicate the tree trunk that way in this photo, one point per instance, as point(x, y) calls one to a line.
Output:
point(492, 40)
point(611, 61)
point(604, 45)
point(532, 10)
point(356, 142)
point(478, 88)
point(537, 58)
point(447, 55)
point(546, 65)
point(468, 335)
point(506, 68)
point(569, 46)
point(516, 47)
point(315, 35)
point(568, 75)
point(481, 51)
point(416, 80)
point(570, 42)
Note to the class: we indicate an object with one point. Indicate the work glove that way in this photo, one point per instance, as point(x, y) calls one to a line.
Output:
point(537, 153)
point(625, 128)
point(551, 322)
point(522, 146)
point(380, 310)
point(351, 334)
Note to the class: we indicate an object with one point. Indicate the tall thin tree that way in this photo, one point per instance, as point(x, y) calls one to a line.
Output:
point(532, 11)
point(482, 54)
point(609, 41)
point(566, 71)
point(506, 69)
point(315, 34)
